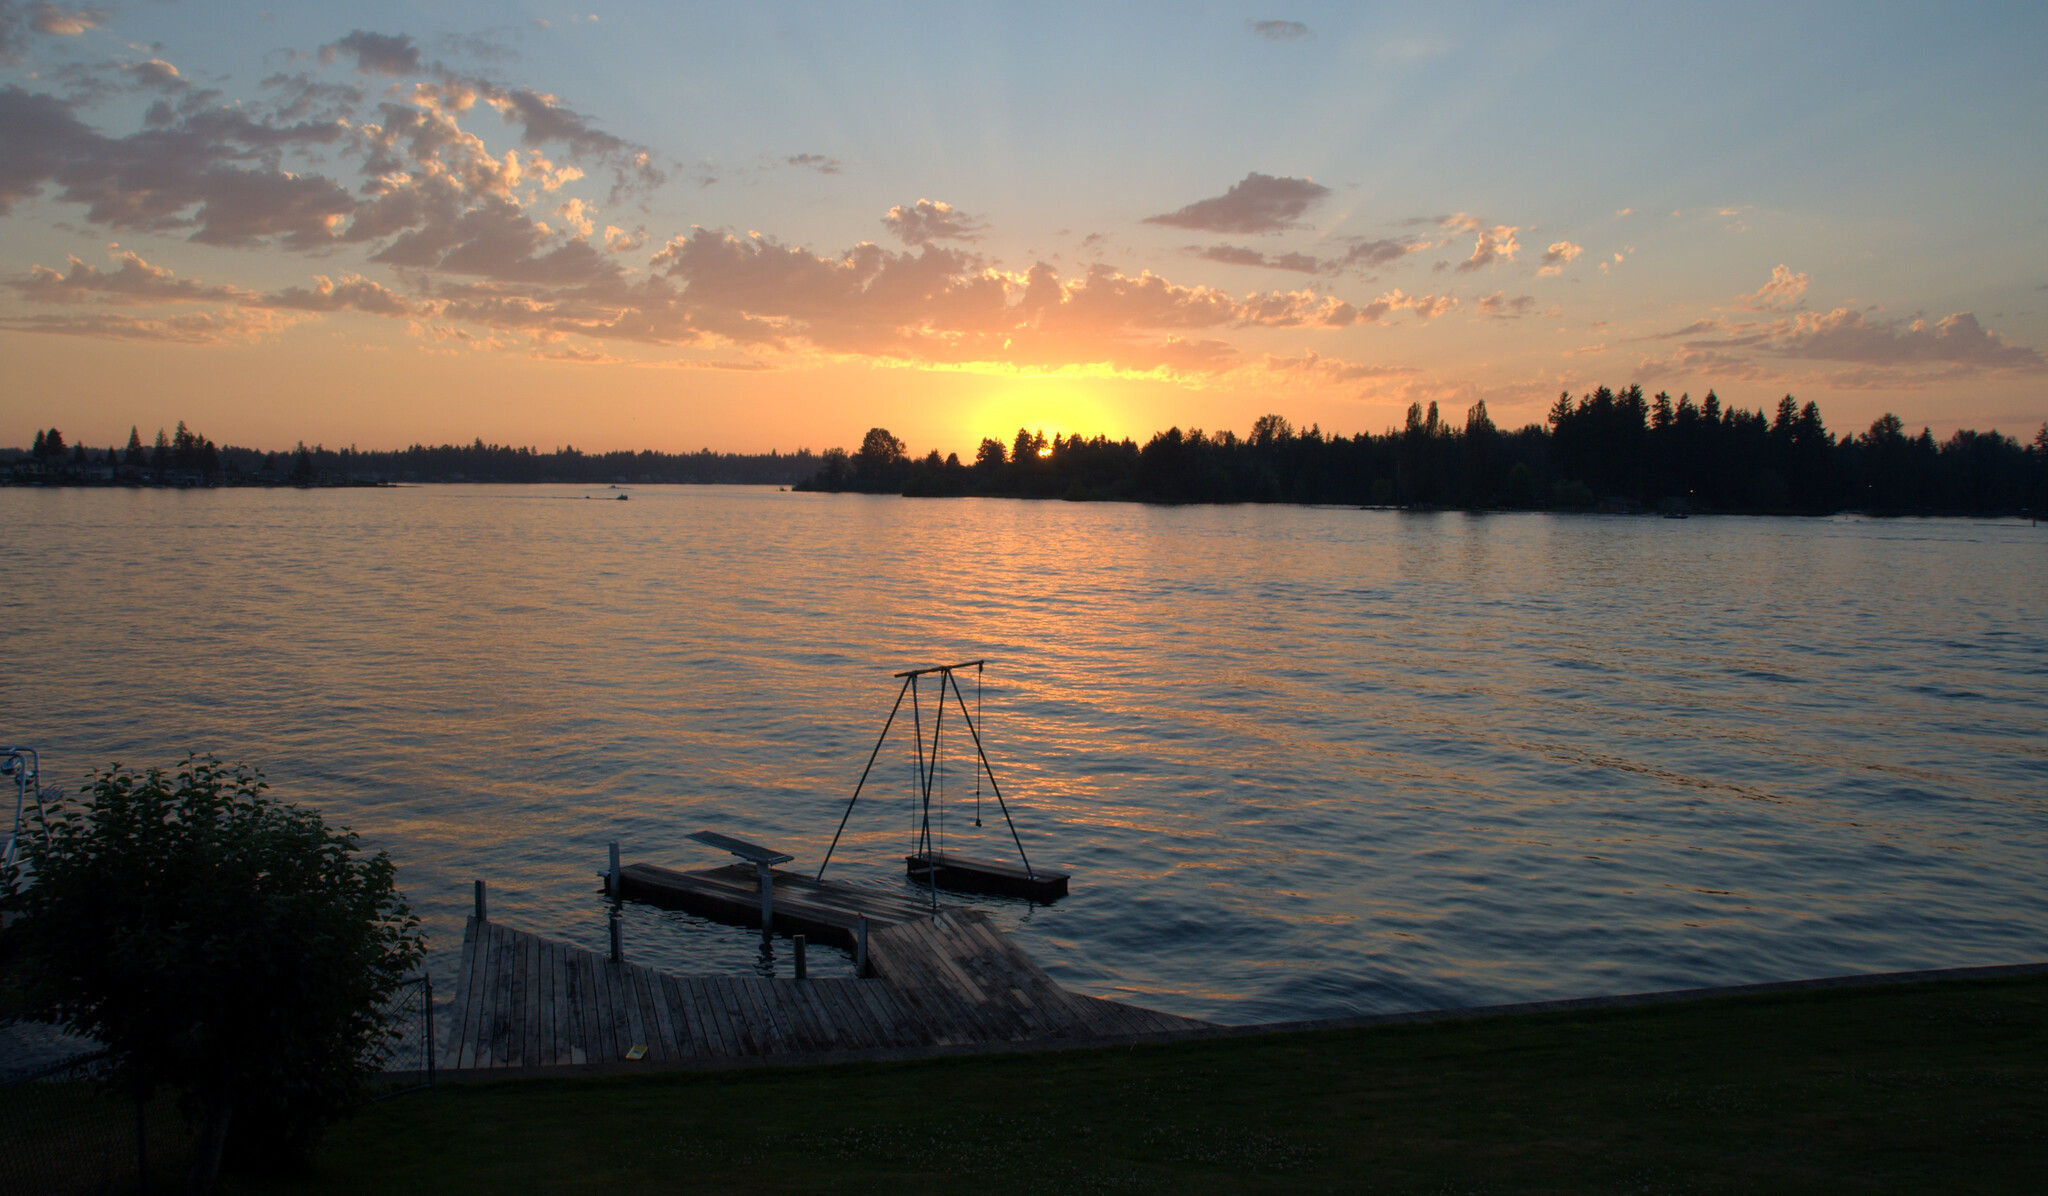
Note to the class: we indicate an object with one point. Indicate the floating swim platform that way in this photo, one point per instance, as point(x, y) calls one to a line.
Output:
point(963, 874)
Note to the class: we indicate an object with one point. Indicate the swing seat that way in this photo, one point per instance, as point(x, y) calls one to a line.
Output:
point(965, 875)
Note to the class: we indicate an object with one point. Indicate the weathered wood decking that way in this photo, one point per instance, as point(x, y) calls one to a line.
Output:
point(951, 980)
point(827, 911)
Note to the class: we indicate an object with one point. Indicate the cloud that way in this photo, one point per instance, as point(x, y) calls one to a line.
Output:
point(497, 240)
point(483, 47)
point(618, 240)
point(134, 282)
point(1368, 255)
point(1363, 255)
point(353, 292)
point(1557, 257)
point(939, 306)
point(817, 162)
point(1846, 335)
point(65, 22)
point(1233, 255)
point(188, 174)
point(1258, 203)
point(1316, 367)
point(1784, 290)
point(18, 21)
point(1499, 307)
point(928, 220)
point(376, 53)
point(1277, 31)
point(576, 214)
point(1873, 352)
point(229, 325)
point(1494, 245)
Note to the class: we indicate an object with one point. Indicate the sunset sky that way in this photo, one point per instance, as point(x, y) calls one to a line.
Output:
point(775, 225)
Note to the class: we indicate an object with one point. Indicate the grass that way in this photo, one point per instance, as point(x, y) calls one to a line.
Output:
point(1934, 1087)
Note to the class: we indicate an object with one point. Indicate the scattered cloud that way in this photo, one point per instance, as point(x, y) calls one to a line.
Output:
point(817, 162)
point(1847, 335)
point(1258, 203)
point(228, 325)
point(618, 240)
point(1494, 245)
point(18, 21)
point(132, 282)
point(1499, 307)
point(65, 22)
point(928, 220)
point(575, 214)
point(1557, 257)
point(1784, 290)
point(488, 46)
point(1869, 352)
point(1277, 31)
point(352, 293)
point(1315, 366)
point(1619, 212)
point(1234, 255)
point(376, 53)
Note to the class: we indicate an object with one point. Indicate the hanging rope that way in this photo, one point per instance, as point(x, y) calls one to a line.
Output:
point(977, 717)
point(994, 788)
point(921, 815)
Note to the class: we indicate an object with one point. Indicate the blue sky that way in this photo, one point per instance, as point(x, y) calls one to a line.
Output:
point(1131, 216)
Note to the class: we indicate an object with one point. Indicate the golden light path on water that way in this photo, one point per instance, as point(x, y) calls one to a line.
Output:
point(1300, 761)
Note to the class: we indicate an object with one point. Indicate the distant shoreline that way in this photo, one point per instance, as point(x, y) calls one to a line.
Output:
point(1633, 509)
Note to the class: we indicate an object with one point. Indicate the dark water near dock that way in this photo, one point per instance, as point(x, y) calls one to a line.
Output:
point(1300, 761)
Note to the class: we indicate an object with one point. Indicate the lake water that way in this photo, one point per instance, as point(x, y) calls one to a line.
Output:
point(1301, 761)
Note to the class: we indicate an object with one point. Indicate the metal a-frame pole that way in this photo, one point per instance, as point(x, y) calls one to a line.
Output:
point(863, 779)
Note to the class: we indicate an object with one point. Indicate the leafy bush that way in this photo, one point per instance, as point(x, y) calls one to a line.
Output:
point(221, 942)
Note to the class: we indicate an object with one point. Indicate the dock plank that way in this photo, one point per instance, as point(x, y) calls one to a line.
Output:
point(550, 1008)
point(664, 1019)
point(477, 1045)
point(690, 1042)
point(703, 1014)
point(462, 1048)
point(501, 1008)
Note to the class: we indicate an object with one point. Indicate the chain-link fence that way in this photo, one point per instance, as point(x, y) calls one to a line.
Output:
point(62, 1133)
point(407, 1057)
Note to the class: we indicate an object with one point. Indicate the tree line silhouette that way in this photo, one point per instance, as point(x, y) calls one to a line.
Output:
point(187, 458)
point(1608, 448)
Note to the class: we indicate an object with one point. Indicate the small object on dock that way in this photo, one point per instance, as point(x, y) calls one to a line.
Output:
point(638, 1050)
point(965, 875)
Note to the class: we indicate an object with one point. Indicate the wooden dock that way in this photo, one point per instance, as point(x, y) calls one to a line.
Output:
point(951, 980)
point(827, 912)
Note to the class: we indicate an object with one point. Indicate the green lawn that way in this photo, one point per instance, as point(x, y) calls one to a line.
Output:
point(1930, 1088)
